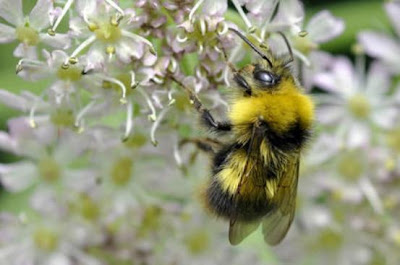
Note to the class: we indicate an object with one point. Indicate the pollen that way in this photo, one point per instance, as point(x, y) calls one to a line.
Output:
point(393, 140)
point(49, 170)
point(63, 118)
point(151, 220)
point(71, 73)
point(89, 209)
point(45, 239)
point(303, 43)
point(108, 33)
point(121, 171)
point(197, 242)
point(27, 35)
point(359, 106)
point(350, 165)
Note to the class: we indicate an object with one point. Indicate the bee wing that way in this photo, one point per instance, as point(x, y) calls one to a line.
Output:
point(240, 230)
point(275, 225)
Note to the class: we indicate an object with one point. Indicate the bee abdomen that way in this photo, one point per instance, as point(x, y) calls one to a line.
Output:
point(226, 205)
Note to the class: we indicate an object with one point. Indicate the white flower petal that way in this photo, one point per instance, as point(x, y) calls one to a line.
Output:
point(381, 46)
point(57, 58)
point(7, 33)
point(17, 176)
point(214, 8)
point(86, 8)
point(264, 8)
point(11, 10)
point(330, 114)
point(128, 48)
point(78, 27)
point(13, 101)
point(357, 135)
point(59, 41)
point(58, 259)
point(324, 148)
point(378, 80)
point(326, 81)
point(39, 16)
point(7, 143)
point(386, 117)
point(25, 51)
point(44, 201)
point(393, 11)
point(290, 13)
point(324, 26)
point(80, 180)
point(340, 79)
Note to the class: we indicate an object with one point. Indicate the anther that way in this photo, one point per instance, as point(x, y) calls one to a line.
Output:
point(73, 60)
point(303, 33)
point(51, 32)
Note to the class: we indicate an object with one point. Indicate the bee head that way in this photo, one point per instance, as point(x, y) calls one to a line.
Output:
point(267, 74)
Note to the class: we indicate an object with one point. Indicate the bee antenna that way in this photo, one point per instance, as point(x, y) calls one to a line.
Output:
point(251, 45)
point(288, 47)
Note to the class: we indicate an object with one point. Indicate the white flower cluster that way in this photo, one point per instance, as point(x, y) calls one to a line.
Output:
point(97, 149)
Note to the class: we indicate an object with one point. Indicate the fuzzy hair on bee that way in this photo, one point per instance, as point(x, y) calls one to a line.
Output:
point(255, 165)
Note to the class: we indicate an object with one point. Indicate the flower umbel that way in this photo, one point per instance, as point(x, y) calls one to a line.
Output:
point(103, 166)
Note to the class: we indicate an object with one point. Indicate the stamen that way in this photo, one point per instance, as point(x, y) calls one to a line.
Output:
point(177, 156)
point(201, 48)
point(181, 39)
point(139, 38)
point(155, 125)
point(82, 113)
point(153, 115)
point(27, 62)
point(157, 80)
point(222, 28)
point(129, 120)
point(371, 194)
point(303, 33)
point(64, 11)
point(120, 84)
point(302, 57)
point(360, 69)
point(134, 84)
point(170, 98)
point(172, 65)
point(115, 6)
point(82, 46)
point(156, 99)
point(196, 6)
point(32, 122)
point(241, 13)
point(202, 27)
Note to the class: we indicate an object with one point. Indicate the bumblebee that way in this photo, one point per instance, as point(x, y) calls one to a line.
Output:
point(255, 170)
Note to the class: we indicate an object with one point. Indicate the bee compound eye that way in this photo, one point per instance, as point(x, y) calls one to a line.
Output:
point(264, 77)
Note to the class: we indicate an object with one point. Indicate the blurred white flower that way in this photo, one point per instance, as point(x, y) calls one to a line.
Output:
point(383, 46)
point(356, 102)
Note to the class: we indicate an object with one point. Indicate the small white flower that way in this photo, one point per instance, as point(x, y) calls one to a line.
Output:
point(108, 32)
point(29, 30)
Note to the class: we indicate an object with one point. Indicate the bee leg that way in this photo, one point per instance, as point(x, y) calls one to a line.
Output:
point(206, 117)
point(207, 145)
point(210, 122)
point(246, 170)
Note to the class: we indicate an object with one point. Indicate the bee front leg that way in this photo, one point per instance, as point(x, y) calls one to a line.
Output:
point(206, 117)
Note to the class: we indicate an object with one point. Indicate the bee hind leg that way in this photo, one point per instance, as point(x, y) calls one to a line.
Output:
point(207, 145)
